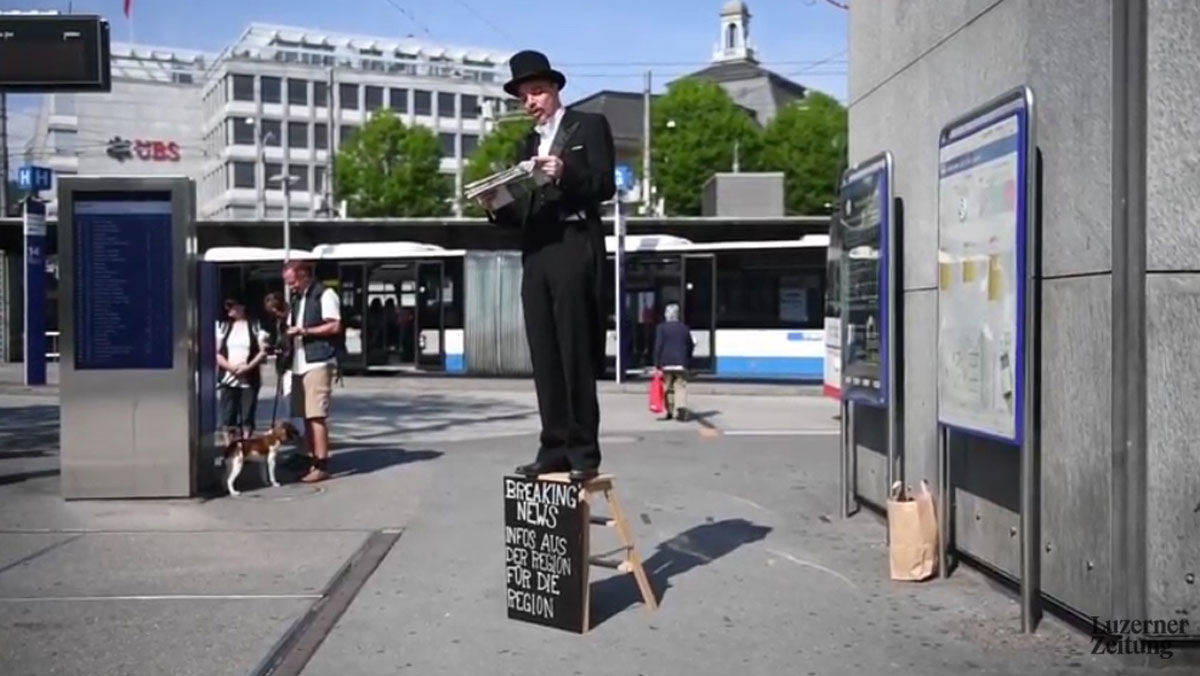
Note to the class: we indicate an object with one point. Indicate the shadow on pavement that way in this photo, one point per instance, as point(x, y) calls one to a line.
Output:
point(364, 459)
point(693, 547)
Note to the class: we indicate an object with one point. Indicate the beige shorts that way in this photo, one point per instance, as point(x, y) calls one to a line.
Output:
point(310, 393)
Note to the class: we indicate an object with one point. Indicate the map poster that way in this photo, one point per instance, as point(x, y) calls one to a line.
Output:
point(863, 231)
point(982, 198)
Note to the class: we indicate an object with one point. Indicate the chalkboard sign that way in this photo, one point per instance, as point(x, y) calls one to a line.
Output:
point(123, 281)
point(546, 552)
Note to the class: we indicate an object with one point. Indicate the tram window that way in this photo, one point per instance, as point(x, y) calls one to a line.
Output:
point(452, 293)
point(768, 292)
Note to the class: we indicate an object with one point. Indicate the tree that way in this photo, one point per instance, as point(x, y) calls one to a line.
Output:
point(388, 169)
point(695, 126)
point(807, 142)
point(500, 149)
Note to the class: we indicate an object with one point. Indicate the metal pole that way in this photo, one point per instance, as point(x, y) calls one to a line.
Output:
point(943, 460)
point(287, 216)
point(3, 154)
point(848, 496)
point(843, 456)
point(647, 195)
point(261, 170)
point(329, 136)
point(619, 286)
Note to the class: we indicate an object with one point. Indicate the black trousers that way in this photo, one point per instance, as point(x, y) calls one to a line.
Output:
point(559, 291)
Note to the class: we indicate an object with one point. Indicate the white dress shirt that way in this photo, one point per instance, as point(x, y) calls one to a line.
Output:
point(548, 131)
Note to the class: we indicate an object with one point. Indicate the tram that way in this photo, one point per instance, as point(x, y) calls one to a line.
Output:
point(756, 308)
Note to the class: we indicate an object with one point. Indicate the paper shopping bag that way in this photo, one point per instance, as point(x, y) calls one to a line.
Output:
point(913, 534)
point(658, 394)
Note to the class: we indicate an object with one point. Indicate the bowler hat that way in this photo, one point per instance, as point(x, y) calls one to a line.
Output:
point(531, 65)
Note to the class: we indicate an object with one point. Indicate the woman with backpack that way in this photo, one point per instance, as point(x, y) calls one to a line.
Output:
point(240, 350)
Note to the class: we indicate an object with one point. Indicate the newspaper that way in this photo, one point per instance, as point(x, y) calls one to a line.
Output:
point(506, 186)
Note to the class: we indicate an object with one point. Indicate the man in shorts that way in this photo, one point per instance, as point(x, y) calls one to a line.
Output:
point(314, 323)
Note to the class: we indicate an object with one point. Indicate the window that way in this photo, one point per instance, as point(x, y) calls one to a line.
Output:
point(373, 97)
point(348, 94)
point(297, 134)
point(273, 169)
point(470, 106)
point(399, 100)
point(319, 179)
point(243, 131)
point(732, 40)
point(768, 290)
point(447, 141)
point(243, 87)
point(297, 92)
point(243, 174)
point(272, 133)
point(64, 142)
point(320, 94)
point(469, 143)
point(422, 102)
point(321, 136)
point(345, 133)
point(300, 171)
point(446, 104)
point(270, 89)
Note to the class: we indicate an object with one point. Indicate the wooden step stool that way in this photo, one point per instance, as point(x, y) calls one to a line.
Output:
point(630, 562)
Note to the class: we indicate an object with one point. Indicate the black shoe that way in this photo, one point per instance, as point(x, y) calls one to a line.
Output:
point(682, 415)
point(583, 474)
point(538, 467)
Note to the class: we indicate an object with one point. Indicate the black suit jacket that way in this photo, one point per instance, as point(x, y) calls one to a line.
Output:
point(584, 142)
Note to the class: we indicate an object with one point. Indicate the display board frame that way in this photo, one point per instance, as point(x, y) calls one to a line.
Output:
point(861, 390)
point(1016, 105)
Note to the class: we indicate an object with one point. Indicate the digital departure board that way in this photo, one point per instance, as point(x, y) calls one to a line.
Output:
point(47, 52)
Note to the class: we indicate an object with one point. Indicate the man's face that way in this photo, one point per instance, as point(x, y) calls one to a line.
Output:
point(295, 280)
point(540, 99)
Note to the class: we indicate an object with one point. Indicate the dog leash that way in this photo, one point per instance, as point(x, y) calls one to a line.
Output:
point(275, 404)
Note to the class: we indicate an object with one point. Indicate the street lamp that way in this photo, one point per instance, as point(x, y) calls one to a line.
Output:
point(260, 141)
point(287, 180)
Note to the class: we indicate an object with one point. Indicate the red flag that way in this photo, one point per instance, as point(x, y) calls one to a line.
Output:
point(128, 7)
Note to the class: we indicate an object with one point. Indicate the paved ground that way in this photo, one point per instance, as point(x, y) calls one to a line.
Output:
point(734, 518)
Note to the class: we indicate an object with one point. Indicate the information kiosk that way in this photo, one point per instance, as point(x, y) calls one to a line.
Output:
point(127, 317)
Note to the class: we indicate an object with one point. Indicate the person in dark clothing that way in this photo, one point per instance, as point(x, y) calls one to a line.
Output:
point(563, 258)
point(673, 346)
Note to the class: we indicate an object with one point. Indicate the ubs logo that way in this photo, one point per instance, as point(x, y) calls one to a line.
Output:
point(121, 149)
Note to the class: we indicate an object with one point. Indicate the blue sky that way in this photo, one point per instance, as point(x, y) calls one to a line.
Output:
point(606, 44)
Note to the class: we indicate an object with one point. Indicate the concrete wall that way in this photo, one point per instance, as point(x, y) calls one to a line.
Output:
point(744, 194)
point(913, 67)
point(1172, 322)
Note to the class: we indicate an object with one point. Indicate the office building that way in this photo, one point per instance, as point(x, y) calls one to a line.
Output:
point(275, 103)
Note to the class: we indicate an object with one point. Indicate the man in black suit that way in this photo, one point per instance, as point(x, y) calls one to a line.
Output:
point(563, 251)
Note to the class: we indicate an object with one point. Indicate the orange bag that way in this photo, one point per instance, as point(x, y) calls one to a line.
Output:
point(658, 393)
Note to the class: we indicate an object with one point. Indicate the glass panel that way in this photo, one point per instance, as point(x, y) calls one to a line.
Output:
point(446, 104)
point(321, 136)
point(243, 131)
point(320, 93)
point(469, 143)
point(429, 315)
point(297, 92)
point(272, 133)
point(422, 102)
point(243, 87)
point(470, 106)
point(270, 89)
point(300, 171)
point(243, 174)
point(348, 96)
point(447, 141)
point(399, 100)
point(374, 97)
point(297, 134)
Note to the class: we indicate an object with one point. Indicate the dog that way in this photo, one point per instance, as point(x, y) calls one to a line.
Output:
point(263, 448)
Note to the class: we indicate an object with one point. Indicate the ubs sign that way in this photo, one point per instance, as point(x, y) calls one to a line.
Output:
point(121, 149)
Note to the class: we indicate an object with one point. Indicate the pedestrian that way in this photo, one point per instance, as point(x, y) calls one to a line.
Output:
point(314, 322)
point(240, 351)
point(673, 346)
point(563, 257)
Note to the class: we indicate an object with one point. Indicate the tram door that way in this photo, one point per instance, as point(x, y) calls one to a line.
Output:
point(651, 282)
point(699, 308)
point(429, 315)
point(391, 315)
point(353, 294)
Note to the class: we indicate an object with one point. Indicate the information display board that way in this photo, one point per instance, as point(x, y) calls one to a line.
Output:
point(123, 273)
point(864, 231)
point(545, 552)
point(983, 204)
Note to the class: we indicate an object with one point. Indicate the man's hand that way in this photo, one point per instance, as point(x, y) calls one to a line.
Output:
point(294, 331)
point(549, 165)
point(487, 200)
